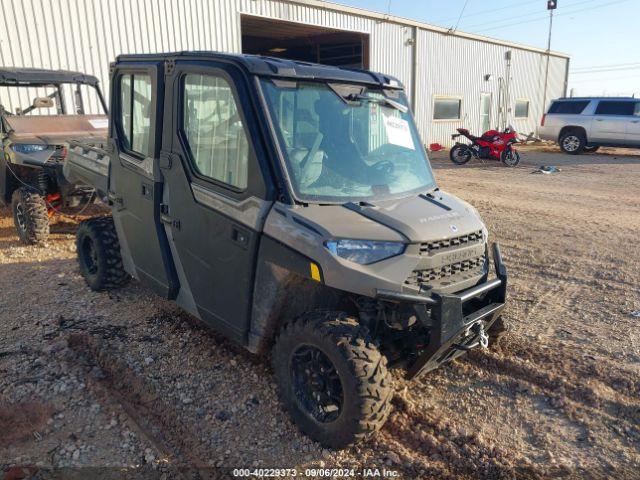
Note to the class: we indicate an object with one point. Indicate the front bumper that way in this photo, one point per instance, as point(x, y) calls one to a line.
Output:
point(457, 323)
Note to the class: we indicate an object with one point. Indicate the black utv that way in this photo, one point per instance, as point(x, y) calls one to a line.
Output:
point(40, 111)
point(292, 207)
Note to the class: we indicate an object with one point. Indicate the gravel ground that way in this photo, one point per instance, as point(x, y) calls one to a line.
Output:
point(125, 379)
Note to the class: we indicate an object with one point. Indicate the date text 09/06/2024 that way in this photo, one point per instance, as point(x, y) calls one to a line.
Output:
point(315, 473)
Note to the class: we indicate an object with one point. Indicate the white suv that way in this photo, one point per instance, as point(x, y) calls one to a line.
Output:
point(584, 124)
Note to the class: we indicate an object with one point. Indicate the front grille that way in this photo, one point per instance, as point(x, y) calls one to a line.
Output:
point(464, 269)
point(440, 245)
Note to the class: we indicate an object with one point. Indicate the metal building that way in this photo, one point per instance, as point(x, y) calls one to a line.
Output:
point(453, 79)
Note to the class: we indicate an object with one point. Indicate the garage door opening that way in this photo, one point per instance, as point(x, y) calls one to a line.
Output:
point(308, 43)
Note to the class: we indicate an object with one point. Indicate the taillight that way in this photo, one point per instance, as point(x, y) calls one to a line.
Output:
point(544, 117)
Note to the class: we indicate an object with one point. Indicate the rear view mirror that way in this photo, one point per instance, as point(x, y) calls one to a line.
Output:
point(43, 102)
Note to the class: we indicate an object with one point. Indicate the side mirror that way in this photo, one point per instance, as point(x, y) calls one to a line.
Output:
point(43, 102)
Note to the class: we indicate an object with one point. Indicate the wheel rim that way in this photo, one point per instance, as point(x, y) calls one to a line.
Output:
point(461, 155)
point(89, 256)
point(512, 158)
point(316, 384)
point(21, 217)
point(571, 143)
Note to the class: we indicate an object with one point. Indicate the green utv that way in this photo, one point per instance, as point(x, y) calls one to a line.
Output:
point(40, 110)
point(292, 207)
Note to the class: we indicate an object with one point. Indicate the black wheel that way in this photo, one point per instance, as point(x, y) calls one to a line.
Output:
point(591, 148)
point(510, 157)
point(460, 154)
point(30, 216)
point(99, 254)
point(572, 142)
point(497, 331)
point(332, 378)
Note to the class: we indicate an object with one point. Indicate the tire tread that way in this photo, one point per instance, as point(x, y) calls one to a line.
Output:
point(366, 364)
point(111, 273)
point(36, 216)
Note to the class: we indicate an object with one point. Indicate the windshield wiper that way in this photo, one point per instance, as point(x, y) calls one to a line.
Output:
point(380, 101)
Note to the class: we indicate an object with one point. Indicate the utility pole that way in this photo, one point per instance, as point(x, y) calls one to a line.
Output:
point(551, 6)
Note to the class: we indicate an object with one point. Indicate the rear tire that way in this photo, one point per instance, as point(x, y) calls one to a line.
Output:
point(99, 254)
point(460, 154)
point(572, 142)
point(30, 216)
point(332, 378)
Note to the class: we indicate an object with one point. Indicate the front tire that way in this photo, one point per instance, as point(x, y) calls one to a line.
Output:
point(572, 142)
point(30, 216)
point(332, 378)
point(99, 254)
point(510, 157)
point(460, 154)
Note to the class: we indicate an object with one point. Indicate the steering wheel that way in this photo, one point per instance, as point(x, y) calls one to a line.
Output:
point(384, 166)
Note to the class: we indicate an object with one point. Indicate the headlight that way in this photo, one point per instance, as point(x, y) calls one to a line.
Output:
point(28, 147)
point(364, 251)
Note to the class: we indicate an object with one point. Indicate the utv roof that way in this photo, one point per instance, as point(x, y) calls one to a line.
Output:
point(276, 67)
point(38, 77)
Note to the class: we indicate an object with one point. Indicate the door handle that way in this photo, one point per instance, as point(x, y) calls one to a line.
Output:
point(168, 219)
point(635, 121)
point(599, 120)
point(240, 236)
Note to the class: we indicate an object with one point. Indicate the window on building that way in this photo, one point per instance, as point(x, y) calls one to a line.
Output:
point(214, 130)
point(570, 106)
point(135, 112)
point(447, 108)
point(522, 108)
point(610, 107)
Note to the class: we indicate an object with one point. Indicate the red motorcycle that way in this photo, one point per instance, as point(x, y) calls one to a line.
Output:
point(492, 145)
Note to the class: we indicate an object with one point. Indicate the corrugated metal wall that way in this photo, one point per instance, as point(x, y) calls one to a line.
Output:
point(86, 35)
point(457, 67)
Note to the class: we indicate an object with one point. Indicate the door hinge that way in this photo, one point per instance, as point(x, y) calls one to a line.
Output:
point(165, 161)
point(169, 65)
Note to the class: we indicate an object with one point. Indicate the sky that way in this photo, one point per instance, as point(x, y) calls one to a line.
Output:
point(602, 36)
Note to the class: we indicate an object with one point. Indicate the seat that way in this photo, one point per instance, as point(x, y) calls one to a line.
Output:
point(311, 171)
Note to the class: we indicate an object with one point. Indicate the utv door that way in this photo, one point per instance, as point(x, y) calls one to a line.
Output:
point(135, 182)
point(214, 200)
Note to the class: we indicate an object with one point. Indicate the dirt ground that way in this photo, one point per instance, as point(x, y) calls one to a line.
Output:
point(124, 379)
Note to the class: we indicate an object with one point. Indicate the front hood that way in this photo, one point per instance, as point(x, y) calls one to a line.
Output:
point(412, 220)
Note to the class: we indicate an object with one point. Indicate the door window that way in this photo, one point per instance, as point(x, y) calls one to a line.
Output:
point(214, 131)
point(135, 112)
point(485, 111)
point(522, 108)
point(608, 107)
point(571, 107)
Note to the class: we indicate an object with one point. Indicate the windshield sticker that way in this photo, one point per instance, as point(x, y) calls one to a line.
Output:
point(398, 132)
point(99, 123)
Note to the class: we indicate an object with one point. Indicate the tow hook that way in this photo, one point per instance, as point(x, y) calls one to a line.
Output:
point(483, 338)
point(477, 330)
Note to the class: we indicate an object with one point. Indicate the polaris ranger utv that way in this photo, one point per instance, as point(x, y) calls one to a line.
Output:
point(292, 207)
point(34, 143)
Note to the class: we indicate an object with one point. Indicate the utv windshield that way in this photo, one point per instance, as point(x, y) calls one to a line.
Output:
point(346, 143)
